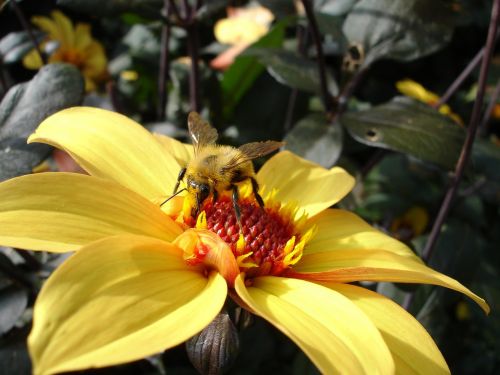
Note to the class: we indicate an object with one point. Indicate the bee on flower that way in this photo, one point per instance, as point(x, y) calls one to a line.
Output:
point(143, 279)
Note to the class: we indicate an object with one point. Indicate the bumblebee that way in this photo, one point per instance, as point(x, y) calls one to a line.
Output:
point(217, 168)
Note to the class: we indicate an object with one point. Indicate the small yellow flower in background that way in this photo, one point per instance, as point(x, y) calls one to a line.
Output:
point(129, 75)
point(415, 90)
point(242, 27)
point(74, 45)
point(462, 311)
point(143, 280)
point(495, 112)
point(411, 224)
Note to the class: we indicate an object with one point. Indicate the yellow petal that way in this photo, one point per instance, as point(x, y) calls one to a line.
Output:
point(201, 246)
point(49, 26)
point(109, 145)
point(82, 36)
point(412, 348)
point(95, 62)
point(182, 152)
point(342, 230)
point(32, 60)
point(65, 27)
point(117, 300)
point(238, 30)
point(336, 335)
point(62, 211)
point(416, 90)
point(311, 186)
point(375, 265)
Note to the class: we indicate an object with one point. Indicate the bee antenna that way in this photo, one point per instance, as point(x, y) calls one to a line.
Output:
point(180, 191)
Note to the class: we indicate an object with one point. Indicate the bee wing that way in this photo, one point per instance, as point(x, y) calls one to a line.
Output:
point(253, 150)
point(201, 132)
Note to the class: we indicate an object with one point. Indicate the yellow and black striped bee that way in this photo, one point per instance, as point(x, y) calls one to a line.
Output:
point(218, 168)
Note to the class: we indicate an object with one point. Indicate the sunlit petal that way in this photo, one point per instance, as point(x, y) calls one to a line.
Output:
point(109, 145)
point(62, 211)
point(117, 300)
point(299, 180)
point(375, 265)
point(47, 25)
point(32, 60)
point(65, 27)
point(342, 230)
point(412, 348)
point(182, 152)
point(336, 335)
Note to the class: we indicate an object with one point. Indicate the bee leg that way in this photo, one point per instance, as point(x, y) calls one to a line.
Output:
point(215, 196)
point(182, 172)
point(237, 210)
point(196, 210)
point(255, 188)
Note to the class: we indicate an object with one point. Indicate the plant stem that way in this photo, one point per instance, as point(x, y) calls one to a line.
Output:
point(188, 14)
point(467, 146)
point(347, 92)
point(194, 76)
point(302, 39)
point(483, 127)
point(32, 262)
point(471, 133)
point(27, 27)
point(460, 79)
point(113, 96)
point(292, 99)
point(3, 80)
point(373, 161)
point(313, 25)
point(175, 10)
point(164, 64)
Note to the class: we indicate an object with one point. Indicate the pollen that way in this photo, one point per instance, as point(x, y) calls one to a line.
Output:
point(270, 240)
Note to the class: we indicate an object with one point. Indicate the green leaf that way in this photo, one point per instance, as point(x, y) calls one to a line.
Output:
point(486, 159)
point(399, 29)
point(292, 70)
point(15, 45)
point(408, 126)
point(260, 114)
point(147, 8)
point(13, 302)
point(334, 7)
point(142, 42)
point(280, 8)
point(210, 8)
point(244, 71)
point(331, 26)
point(315, 139)
point(54, 87)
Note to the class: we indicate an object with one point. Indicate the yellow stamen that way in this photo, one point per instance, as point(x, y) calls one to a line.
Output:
point(243, 264)
point(201, 222)
point(240, 244)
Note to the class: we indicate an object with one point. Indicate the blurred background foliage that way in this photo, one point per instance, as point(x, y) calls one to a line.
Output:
point(367, 100)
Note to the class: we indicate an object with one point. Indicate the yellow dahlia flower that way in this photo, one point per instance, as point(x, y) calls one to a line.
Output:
point(75, 45)
point(142, 280)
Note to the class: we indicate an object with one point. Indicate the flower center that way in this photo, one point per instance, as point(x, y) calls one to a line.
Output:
point(270, 240)
point(71, 56)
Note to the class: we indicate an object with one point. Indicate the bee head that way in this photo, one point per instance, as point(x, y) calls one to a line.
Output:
point(199, 188)
point(203, 192)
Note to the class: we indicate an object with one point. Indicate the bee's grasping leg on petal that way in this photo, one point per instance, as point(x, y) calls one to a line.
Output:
point(255, 188)
point(237, 210)
point(182, 172)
